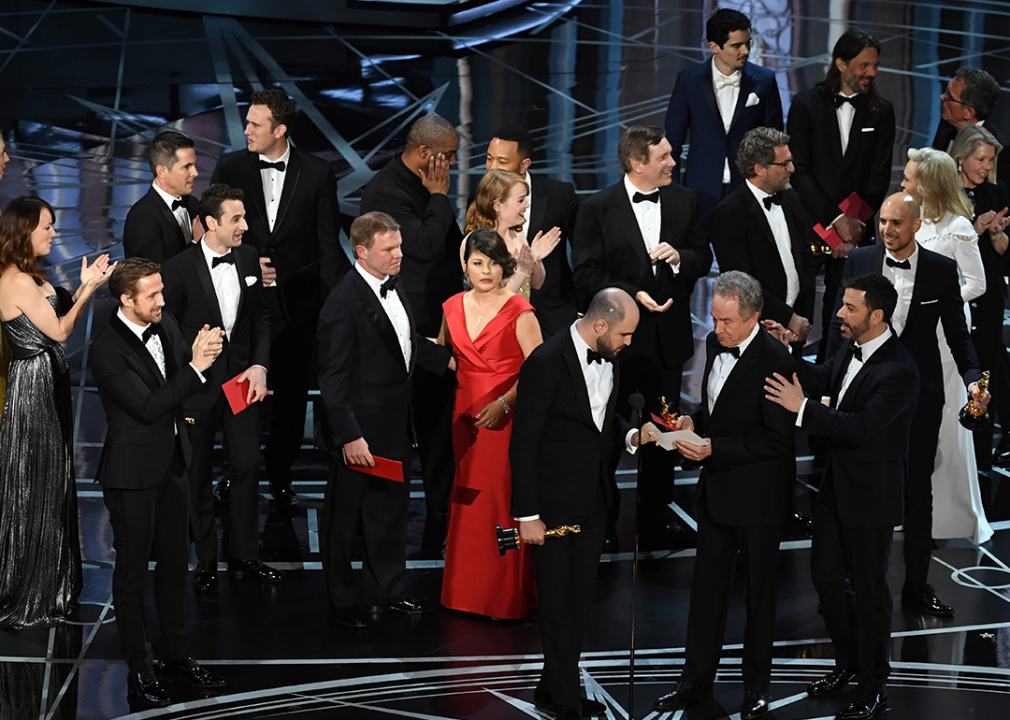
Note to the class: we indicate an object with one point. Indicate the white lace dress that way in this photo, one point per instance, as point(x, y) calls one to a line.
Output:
point(957, 502)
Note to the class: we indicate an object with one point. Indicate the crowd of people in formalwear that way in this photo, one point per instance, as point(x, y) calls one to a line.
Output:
point(508, 348)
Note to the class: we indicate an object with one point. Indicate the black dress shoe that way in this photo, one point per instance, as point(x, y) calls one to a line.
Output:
point(253, 570)
point(683, 696)
point(144, 688)
point(797, 521)
point(189, 671)
point(755, 704)
point(222, 491)
point(285, 499)
point(349, 616)
point(413, 606)
point(831, 682)
point(611, 544)
point(866, 704)
point(1001, 456)
point(923, 599)
point(205, 576)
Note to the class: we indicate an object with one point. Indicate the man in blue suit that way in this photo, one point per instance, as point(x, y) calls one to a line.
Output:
point(717, 102)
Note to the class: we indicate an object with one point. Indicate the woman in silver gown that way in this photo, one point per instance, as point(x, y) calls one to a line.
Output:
point(40, 557)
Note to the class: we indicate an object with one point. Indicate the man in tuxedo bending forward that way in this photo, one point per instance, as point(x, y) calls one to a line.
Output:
point(562, 436)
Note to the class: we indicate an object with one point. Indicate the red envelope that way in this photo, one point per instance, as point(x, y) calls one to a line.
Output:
point(237, 392)
point(829, 236)
point(854, 207)
point(384, 468)
point(661, 422)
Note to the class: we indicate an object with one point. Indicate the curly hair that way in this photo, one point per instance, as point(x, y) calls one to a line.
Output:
point(17, 223)
point(494, 187)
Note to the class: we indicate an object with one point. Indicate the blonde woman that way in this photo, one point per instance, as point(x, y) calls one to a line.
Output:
point(931, 178)
point(501, 204)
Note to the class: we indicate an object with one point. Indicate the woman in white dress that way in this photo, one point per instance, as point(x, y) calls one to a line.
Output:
point(931, 178)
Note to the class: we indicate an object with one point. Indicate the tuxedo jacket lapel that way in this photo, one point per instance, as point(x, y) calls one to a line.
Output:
point(920, 280)
point(538, 209)
point(629, 223)
point(169, 217)
point(707, 92)
point(154, 377)
point(746, 86)
point(710, 347)
point(291, 176)
point(242, 271)
point(207, 283)
point(376, 315)
point(579, 382)
point(259, 202)
point(743, 365)
point(400, 293)
point(830, 119)
point(852, 150)
point(754, 207)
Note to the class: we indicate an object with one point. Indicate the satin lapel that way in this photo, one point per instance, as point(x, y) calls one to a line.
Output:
point(710, 344)
point(579, 381)
point(747, 84)
point(256, 183)
point(169, 218)
point(241, 269)
point(208, 287)
point(708, 92)
point(754, 206)
point(538, 209)
point(857, 381)
point(294, 171)
point(410, 321)
point(373, 311)
point(917, 284)
point(608, 417)
point(139, 350)
point(852, 151)
point(830, 119)
point(629, 223)
point(747, 361)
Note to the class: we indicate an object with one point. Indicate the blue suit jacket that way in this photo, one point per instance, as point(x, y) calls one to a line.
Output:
point(693, 109)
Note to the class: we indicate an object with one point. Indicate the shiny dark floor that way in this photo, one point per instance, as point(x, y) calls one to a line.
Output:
point(86, 84)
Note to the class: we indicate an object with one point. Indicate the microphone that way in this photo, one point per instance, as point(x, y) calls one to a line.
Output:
point(638, 403)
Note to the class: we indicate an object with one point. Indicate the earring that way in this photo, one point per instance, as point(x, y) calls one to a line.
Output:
point(959, 166)
point(504, 282)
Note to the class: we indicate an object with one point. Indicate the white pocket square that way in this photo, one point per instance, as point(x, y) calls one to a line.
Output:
point(928, 302)
point(250, 280)
point(871, 129)
point(752, 100)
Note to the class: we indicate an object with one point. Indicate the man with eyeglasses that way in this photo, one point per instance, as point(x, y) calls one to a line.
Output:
point(762, 229)
point(969, 99)
point(717, 102)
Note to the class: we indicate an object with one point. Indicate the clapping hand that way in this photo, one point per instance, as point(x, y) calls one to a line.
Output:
point(206, 347)
point(98, 272)
point(544, 242)
point(665, 252)
point(526, 260)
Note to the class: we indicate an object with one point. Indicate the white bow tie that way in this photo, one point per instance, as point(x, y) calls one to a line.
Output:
point(722, 81)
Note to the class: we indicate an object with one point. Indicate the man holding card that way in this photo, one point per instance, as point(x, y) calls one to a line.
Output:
point(217, 281)
point(369, 347)
point(742, 497)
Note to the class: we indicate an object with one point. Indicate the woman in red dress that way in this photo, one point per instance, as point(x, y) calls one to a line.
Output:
point(491, 331)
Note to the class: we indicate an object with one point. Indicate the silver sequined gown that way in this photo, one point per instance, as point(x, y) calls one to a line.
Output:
point(40, 558)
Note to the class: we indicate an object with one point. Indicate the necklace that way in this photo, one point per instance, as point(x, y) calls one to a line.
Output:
point(481, 316)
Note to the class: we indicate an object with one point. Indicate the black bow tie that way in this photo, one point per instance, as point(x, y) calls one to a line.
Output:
point(900, 264)
point(227, 258)
point(855, 351)
point(278, 166)
point(841, 100)
point(388, 284)
point(176, 204)
point(734, 351)
point(594, 357)
point(773, 199)
point(150, 330)
point(652, 197)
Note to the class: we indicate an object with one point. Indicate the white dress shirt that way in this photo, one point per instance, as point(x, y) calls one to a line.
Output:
point(904, 283)
point(776, 217)
point(726, 98)
point(180, 213)
point(722, 366)
point(845, 114)
point(273, 184)
point(226, 287)
point(650, 220)
point(395, 311)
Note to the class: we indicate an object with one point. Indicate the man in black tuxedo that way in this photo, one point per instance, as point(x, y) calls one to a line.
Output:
point(217, 282)
point(861, 402)
point(552, 204)
point(291, 203)
point(929, 293)
point(369, 346)
point(413, 188)
point(762, 229)
point(743, 495)
point(144, 373)
point(969, 99)
point(163, 222)
point(645, 236)
point(842, 139)
point(562, 435)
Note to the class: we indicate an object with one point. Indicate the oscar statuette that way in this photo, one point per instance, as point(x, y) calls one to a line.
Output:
point(508, 538)
point(974, 416)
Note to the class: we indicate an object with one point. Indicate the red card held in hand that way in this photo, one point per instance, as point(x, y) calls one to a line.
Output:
point(384, 468)
point(855, 207)
point(829, 236)
point(237, 392)
point(661, 422)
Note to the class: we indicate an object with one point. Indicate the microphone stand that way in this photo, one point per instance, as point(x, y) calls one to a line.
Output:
point(638, 403)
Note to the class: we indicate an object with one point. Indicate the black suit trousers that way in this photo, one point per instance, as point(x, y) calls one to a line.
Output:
point(987, 336)
point(833, 268)
point(241, 437)
point(714, 570)
point(849, 569)
point(431, 400)
point(151, 524)
point(566, 570)
point(918, 525)
point(381, 506)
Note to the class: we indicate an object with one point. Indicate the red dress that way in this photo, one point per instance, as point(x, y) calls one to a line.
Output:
point(477, 579)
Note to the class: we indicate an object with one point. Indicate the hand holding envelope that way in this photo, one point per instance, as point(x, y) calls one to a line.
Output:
point(691, 445)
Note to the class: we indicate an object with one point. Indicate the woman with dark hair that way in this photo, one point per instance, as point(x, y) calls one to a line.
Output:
point(5, 351)
point(490, 330)
point(40, 555)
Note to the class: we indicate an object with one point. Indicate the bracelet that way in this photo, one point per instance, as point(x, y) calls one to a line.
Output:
point(504, 404)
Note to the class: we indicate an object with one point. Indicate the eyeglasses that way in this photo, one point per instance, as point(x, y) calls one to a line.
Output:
point(786, 163)
point(945, 95)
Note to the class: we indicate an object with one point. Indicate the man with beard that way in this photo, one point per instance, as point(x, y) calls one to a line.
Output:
point(842, 138)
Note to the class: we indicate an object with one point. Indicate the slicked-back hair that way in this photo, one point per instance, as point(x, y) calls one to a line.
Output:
point(212, 201)
point(880, 293)
point(164, 147)
point(430, 130)
point(366, 227)
point(635, 143)
point(520, 136)
point(17, 223)
point(852, 42)
point(968, 139)
point(745, 289)
point(723, 22)
point(127, 274)
point(490, 244)
point(606, 305)
point(282, 108)
point(981, 91)
point(758, 148)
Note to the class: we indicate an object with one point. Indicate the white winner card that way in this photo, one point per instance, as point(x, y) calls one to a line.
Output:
point(667, 439)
